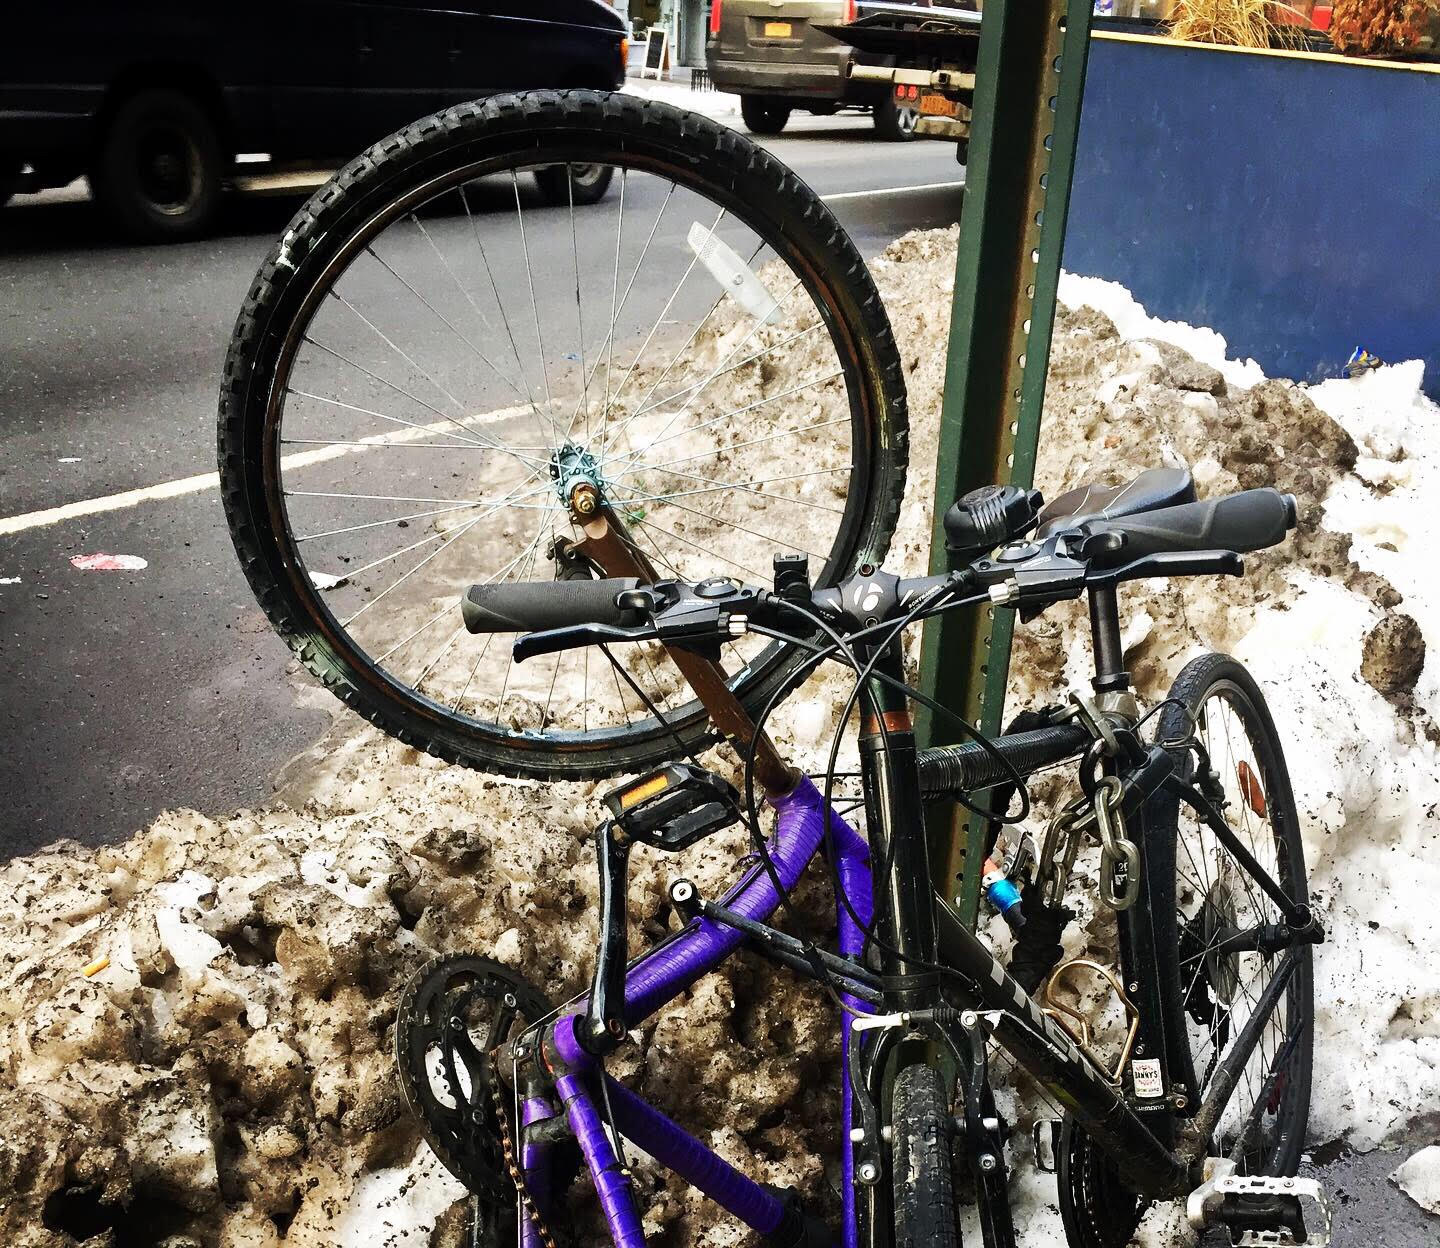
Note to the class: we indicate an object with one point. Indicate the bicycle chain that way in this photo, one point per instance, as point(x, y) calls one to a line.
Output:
point(517, 1176)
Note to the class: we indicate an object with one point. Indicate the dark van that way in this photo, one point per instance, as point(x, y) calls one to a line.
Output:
point(154, 99)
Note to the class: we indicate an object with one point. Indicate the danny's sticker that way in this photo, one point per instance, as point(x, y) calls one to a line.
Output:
point(1148, 1083)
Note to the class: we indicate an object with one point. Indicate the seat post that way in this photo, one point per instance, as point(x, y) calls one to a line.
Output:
point(1110, 673)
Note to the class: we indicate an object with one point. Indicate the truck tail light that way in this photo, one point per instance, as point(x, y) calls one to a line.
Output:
point(715, 7)
point(849, 10)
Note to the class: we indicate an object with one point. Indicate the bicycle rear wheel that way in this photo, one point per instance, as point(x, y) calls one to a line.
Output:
point(1201, 895)
point(435, 355)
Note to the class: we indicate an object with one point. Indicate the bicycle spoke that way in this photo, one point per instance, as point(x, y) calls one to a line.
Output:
point(499, 302)
point(709, 554)
point(400, 645)
point(375, 524)
point(579, 309)
point(434, 662)
point(740, 528)
point(695, 394)
point(485, 648)
point(689, 342)
point(448, 536)
point(429, 429)
point(605, 439)
point(746, 487)
point(535, 309)
point(441, 317)
point(609, 344)
point(445, 417)
point(735, 446)
point(739, 411)
point(749, 359)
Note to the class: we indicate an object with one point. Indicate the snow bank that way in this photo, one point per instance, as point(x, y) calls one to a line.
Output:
point(1419, 1178)
point(226, 1077)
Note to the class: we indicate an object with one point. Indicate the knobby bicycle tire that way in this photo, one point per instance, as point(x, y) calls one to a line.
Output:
point(922, 1182)
point(1213, 681)
point(563, 126)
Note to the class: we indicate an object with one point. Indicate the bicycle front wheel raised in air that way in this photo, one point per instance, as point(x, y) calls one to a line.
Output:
point(1207, 907)
point(438, 352)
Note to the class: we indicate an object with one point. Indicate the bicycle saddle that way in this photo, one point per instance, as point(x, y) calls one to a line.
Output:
point(1152, 489)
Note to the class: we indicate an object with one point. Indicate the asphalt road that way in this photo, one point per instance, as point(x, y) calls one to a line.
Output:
point(127, 693)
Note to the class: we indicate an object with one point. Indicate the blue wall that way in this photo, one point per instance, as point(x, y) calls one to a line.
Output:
point(1290, 202)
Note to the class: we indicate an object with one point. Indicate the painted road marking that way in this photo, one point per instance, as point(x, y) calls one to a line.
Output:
point(201, 482)
point(894, 190)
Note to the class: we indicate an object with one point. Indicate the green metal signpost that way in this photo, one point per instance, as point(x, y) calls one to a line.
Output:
point(1029, 81)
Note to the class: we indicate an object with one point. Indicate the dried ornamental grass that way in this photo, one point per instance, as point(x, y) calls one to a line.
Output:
point(1232, 23)
point(1373, 27)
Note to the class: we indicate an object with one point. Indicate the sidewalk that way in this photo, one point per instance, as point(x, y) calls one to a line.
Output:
point(677, 91)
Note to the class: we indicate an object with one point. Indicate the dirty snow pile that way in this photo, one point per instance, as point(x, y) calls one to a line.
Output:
point(226, 1076)
point(720, 105)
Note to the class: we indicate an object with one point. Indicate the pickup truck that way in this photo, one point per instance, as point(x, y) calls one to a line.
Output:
point(154, 99)
point(778, 57)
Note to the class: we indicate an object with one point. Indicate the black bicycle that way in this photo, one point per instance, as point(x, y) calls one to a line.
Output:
point(636, 486)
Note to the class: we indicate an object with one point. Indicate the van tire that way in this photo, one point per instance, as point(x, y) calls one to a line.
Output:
point(764, 114)
point(9, 180)
point(893, 123)
point(159, 168)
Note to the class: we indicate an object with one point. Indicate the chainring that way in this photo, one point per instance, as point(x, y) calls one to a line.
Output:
point(455, 1010)
point(1098, 1210)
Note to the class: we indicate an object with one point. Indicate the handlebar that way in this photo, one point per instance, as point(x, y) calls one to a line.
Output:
point(1250, 520)
point(1191, 539)
point(532, 606)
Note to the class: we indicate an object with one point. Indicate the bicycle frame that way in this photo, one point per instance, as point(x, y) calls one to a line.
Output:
point(663, 973)
point(919, 930)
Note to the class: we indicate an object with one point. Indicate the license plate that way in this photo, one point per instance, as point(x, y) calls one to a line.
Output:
point(778, 30)
point(937, 106)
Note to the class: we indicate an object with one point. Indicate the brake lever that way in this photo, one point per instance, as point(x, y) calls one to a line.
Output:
point(572, 636)
point(1170, 563)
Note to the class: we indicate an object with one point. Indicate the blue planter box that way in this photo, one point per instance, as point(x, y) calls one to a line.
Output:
point(1290, 201)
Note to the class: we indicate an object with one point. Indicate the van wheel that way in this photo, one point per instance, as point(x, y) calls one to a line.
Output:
point(764, 114)
point(159, 169)
point(894, 123)
point(586, 184)
point(9, 180)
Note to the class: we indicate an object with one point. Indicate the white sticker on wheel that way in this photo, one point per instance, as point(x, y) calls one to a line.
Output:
point(1148, 1083)
point(736, 278)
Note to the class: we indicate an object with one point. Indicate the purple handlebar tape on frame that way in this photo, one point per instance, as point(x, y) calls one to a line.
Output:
point(663, 973)
point(676, 1149)
point(852, 869)
point(612, 1185)
point(535, 1165)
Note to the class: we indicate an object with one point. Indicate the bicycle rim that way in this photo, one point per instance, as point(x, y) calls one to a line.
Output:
point(456, 352)
point(1263, 1122)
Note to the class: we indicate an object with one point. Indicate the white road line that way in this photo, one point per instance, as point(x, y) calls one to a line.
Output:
point(893, 190)
point(211, 480)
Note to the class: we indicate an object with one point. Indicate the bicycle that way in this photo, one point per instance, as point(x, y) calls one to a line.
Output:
point(1208, 1095)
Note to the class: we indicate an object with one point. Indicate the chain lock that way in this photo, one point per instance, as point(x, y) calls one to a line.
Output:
point(1101, 810)
point(1118, 854)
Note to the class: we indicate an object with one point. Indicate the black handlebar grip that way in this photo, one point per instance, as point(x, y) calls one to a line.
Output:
point(532, 606)
point(1250, 520)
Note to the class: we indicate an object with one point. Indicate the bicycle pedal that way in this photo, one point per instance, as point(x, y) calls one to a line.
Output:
point(673, 806)
point(1260, 1211)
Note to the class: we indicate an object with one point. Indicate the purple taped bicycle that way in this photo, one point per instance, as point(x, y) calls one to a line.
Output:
point(632, 480)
